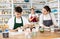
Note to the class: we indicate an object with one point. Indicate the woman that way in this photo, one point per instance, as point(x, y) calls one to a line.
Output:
point(17, 21)
point(47, 18)
point(33, 17)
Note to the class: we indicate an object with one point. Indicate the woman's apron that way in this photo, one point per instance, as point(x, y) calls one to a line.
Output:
point(48, 23)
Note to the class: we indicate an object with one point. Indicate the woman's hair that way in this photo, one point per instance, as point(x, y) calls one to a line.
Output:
point(32, 9)
point(18, 9)
point(47, 8)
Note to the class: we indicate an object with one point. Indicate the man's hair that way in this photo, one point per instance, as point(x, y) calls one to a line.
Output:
point(18, 9)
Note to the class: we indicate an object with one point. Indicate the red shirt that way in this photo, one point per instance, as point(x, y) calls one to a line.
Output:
point(34, 20)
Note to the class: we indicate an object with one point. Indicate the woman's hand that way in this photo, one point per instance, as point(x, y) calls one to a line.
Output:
point(28, 25)
point(46, 27)
point(37, 18)
point(30, 19)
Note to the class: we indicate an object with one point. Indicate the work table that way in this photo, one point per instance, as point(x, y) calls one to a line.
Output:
point(45, 35)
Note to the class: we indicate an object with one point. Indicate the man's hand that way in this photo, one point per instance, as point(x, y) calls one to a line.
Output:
point(12, 30)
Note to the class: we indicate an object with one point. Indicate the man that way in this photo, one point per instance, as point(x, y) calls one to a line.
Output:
point(17, 21)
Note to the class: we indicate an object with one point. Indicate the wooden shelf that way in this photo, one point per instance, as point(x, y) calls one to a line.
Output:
point(5, 8)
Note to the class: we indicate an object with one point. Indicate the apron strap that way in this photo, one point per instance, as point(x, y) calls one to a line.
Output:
point(15, 20)
point(22, 20)
point(50, 16)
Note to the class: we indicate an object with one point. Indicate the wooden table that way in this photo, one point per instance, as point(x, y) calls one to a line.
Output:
point(45, 35)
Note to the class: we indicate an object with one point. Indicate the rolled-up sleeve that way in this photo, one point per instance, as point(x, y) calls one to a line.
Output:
point(41, 20)
point(25, 21)
point(10, 23)
point(54, 20)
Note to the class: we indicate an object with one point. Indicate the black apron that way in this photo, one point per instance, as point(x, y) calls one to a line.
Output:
point(16, 25)
point(48, 23)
